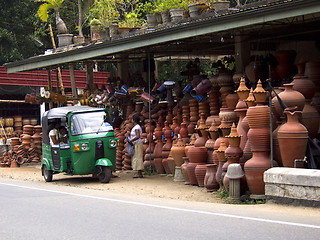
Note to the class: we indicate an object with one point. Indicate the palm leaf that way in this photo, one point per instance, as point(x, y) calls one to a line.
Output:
point(43, 11)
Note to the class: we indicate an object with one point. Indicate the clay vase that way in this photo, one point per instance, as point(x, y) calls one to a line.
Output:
point(304, 85)
point(200, 172)
point(275, 143)
point(290, 97)
point(158, 165)
point(310, 119)
point(166, 166)
point(184, 169)
point(178, 152)
point(197, 154)
point(293, 139)
point(254, 169)
point(191, 173)
point(258, 117)
point(174, 124)
point(183, 131)
point(171, 163)
point(286, 68)
point(210, 182)
point(232, 100)
point(203, 87)
point(222, 159)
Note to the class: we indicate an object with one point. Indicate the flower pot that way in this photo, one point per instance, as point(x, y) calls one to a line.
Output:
point(176, 14)
point(64, 39)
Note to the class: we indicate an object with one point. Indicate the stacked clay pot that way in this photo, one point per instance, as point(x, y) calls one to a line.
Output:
point(259, 137)
point(157, 153)
point(221, 160)
point(194, 110)
point(241, 110)
point(117, 134)
point(213, 97)
point(17, 123)
point(166, 150)
point(196, 155)
point(204, 109)
point(232, 153)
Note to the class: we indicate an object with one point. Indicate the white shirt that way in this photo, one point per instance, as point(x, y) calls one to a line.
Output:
point(133, 133)
point(53, 132)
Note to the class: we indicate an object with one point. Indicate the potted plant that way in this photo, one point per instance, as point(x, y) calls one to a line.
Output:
point(221, 5)
point(177, 8)
point(96, 30)
point(63, 36)
point(196, 7)
point(153, 15)
point(107, 13)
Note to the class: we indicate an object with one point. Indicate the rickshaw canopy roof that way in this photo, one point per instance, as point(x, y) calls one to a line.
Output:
point(62, 112)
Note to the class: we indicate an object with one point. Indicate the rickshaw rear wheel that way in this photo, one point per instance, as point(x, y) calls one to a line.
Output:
point(104, 174)
point(47, 174)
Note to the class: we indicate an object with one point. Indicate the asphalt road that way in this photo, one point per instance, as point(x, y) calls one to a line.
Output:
point(46, 211)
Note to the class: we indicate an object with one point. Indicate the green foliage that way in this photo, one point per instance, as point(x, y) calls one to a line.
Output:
point(46, 6)
point(106, 11)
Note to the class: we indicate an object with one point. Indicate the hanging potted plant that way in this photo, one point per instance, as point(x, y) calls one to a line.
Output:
point(63, 36)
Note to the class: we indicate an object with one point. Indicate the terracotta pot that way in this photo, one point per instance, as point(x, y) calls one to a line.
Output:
point(191, 173)
point(286, 68)
point(225, 79)
point(232, 100)
point(276, 148)
point(256, 70)
point(258, 117)
point(203, 87)
point(178, 152)
point(293, 139)
point(200, 172)
point(259, 138)
point(184, 169)
point(310, 119)
point(254, 169)
point(210, 182)
point(304, 85)
point(197, 154)
point(290, 98)
point(171, 163)
point(183, 131)
point(158, 165)
point(166, 166)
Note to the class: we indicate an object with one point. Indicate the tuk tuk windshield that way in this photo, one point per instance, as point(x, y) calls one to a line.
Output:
point(89, 122)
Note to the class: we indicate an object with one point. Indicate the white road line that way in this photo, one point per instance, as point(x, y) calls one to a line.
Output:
point(171, 208)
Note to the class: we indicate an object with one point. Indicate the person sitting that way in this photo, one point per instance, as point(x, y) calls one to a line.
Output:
point(63, 135)
point(54, 135)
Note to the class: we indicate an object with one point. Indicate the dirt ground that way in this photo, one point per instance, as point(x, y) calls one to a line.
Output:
point(160, 186)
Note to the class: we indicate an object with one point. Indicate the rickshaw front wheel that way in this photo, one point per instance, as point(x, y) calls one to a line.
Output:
point(47, 174)
point(104, 174)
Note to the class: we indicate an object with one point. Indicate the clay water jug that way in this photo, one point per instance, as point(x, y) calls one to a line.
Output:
point(292, 138)
point(210, 181)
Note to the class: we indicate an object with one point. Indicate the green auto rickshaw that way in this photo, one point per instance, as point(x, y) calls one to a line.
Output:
point(88, 147)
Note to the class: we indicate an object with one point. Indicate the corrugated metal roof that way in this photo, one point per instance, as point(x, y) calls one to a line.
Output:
point(212, 23)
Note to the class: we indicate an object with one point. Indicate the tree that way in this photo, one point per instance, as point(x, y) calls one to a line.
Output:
point(55, 5)
point(18, 39)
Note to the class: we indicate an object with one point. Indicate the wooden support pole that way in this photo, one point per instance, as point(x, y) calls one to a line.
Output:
point(73, 83)
point(49, 85)
point(58, 69)
point(89, 71)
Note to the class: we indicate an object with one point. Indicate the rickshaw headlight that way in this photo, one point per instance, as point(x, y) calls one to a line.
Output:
point(84, 146)
point(113, 143)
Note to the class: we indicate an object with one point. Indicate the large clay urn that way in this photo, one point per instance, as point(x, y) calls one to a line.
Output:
point(200, 171)
point(254, 169)
point(197, 154)
point(286, 68)
point(184, 170)
point(292, 138)
point(178, 152)
point(210, 182)
point(304, 85)
point(290, 97)
point(310, 119)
